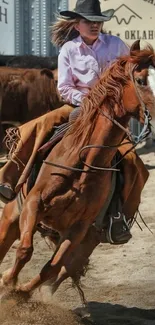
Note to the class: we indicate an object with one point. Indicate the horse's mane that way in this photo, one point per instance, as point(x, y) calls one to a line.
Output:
point(107, 92)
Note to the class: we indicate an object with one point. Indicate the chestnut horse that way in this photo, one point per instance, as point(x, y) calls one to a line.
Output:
point(71, 190)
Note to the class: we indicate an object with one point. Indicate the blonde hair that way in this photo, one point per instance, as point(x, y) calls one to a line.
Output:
point(63, 30)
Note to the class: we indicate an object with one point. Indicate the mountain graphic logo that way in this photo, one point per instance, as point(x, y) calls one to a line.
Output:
point(124, 14)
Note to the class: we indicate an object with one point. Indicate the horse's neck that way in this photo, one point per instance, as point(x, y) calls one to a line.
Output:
point(108, 134)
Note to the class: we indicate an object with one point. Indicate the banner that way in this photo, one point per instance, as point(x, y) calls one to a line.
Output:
point(7, 27)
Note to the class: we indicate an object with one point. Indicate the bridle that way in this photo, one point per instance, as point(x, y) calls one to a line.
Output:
point(147, 117)
point(132, 138)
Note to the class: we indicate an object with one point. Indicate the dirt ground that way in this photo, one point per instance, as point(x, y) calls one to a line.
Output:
point(119, 285)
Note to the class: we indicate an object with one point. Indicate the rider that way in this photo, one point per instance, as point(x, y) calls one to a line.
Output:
point(86, 51)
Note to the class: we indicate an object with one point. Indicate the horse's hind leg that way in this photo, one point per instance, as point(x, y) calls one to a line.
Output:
point(9, 228)
point(80, 258)
point(61, 257)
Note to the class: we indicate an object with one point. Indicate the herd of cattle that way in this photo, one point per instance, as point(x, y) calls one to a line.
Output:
point(27, 89)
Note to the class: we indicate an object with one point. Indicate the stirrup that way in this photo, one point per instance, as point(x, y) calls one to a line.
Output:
point(118, 231)
point(6, 193)
point(6, 200)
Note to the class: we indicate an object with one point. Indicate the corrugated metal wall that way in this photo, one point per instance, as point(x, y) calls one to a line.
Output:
point(32, 21)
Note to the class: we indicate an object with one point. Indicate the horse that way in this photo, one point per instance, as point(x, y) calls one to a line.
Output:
point(25, 94)
point(71, 187)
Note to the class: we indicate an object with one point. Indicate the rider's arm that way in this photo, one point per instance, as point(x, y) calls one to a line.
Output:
point(66, 85)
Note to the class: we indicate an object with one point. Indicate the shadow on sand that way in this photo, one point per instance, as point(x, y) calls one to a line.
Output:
point(145, 150)
point(107, 314)
point(149, 167)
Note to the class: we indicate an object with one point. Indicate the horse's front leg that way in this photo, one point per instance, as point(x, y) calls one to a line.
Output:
point(9, 232)
point(9, 228)
point(28, 221)
point(61, 257)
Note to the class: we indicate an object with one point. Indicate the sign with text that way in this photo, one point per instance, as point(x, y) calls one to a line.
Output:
point(7, 27)
point(132, 20)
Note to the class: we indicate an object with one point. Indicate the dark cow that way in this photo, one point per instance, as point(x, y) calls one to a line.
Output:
point(29, 61)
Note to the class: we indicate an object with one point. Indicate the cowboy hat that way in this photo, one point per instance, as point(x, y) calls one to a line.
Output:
point(90, 10)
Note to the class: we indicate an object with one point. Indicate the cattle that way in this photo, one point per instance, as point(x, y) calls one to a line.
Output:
point(26, 94)
point(29, 61)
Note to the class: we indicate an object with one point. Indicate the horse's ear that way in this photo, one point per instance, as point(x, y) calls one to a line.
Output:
point(47, 72)
point(135, 46)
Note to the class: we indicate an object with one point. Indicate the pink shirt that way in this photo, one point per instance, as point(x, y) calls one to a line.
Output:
point(80, 66)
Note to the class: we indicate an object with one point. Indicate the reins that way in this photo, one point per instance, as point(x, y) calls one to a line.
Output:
point(135, 142)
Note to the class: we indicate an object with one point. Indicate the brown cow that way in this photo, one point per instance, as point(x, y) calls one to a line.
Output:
point(26, 94)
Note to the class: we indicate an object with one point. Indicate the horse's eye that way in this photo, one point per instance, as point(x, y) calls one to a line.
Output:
point(141, 81)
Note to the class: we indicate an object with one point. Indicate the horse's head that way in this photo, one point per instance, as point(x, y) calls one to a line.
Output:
point(141, 70)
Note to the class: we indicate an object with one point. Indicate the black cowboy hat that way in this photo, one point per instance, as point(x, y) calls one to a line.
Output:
point(90, 10)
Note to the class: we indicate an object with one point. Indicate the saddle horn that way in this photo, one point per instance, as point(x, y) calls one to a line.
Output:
point(135, 46)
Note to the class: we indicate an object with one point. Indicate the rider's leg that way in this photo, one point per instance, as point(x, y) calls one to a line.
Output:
point(29, 137)
point(133, 185)
point(59, 132)
point(135, 176)
point(127, 195)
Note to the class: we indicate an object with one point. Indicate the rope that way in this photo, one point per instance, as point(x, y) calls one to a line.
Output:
point(11, 140)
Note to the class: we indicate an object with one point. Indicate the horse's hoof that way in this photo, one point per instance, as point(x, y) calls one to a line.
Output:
point(5, 279)
point(5, 290)
point(22, 291)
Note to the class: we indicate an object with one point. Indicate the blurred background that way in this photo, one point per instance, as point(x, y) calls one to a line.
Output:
point(25, 23)
point(24, 26)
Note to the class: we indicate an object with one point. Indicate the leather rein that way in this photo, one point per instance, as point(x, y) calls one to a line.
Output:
point(134, 139)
